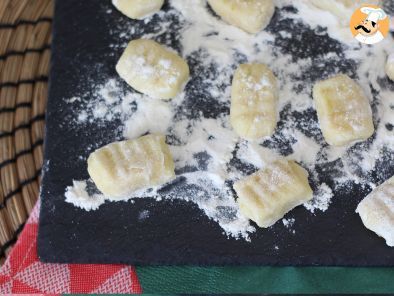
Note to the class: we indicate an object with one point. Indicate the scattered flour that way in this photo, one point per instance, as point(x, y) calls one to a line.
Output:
point(151, 116)
point(321, 200)
point(79, 197)
point(256, 154)
point(302, 143)
point(208, 155)
point(288, 222)
point(143, 215)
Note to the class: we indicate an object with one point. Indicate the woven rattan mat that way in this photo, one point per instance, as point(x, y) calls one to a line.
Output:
point(25, 36)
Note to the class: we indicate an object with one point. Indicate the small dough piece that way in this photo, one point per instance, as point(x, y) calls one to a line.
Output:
point(267, 195)
point(120, 168)
point(390, 66)
point(254, 97)
point(377, 211)
point(138, 9)
point(343, 110)
point(251, 16)
point(152, 69)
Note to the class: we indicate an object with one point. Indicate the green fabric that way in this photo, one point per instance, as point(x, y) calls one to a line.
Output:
point(265, 280)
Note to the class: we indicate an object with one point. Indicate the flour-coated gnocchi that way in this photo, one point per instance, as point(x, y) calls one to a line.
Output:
point(152, 69)
point(251, 16)
point(267, 195)
point(138, 9)
point(254, 97)
point(343, 110)
point(377, 211)
point(120, 168)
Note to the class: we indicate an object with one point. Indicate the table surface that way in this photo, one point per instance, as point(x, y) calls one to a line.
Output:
point(177, 233)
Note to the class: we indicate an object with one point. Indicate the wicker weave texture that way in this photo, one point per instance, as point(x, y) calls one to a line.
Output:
point(25, 36)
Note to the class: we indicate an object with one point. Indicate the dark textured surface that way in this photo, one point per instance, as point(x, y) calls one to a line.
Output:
point(177, 232)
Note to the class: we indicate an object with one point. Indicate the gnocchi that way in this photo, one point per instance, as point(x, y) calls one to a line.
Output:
point(377, 211)
point(267, 195)
point(251, 16)
point(343, 110)
point(138, 9)
point(254, 96)
point(390, 66)
point(120, 168)
point(152, 69)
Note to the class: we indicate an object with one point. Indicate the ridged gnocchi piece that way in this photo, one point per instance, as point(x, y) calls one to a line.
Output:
point(152, 69)
point(120, 168)
point(138, 9)
point(254, 98)
point(390, 66)
point(251, 16)
point(267, 195)
point(377, 211)
point(343, 110)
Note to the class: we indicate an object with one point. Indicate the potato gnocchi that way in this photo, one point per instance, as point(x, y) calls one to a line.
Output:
point(251, 16)
point(138, 9)
point(343, 110)
point(254, 96)
point(267, 195)
point(120, 168)
point(377, 211)
point(152, 69)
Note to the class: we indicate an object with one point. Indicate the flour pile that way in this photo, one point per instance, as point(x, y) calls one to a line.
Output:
point(302, 44)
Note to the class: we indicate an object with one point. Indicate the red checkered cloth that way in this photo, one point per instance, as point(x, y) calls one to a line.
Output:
point(22, 272)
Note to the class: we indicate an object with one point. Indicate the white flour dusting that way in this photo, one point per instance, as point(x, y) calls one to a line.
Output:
point(288, 222)
point(78, 196)
point(143, 215)
point(321, 200)
point(151, 116)
point(208, 155)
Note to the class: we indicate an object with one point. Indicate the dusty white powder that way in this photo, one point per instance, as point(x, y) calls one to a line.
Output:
point(78, 196)
point(303, 142)
point(151, 116)
point(288, 222)
point(321, 200)
point(143, 215)
point(256, 154)
point(207, 153)
point(390, 60)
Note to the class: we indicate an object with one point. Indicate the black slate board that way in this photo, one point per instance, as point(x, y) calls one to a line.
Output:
point(176, 232)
